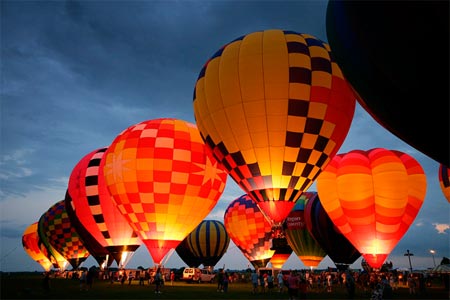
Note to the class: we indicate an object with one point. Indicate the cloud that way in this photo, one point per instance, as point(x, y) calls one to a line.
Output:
point(441, 228)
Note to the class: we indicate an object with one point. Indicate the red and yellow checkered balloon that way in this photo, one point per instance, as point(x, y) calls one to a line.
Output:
point(31, 246)
point(275, 108)
point(372, 197)
point(249, 230)
point(163, 181)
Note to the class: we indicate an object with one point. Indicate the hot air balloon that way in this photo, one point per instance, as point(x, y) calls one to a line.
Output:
point(56, 258)
point(444, 181)
point(97, 211)
point(163, 180)
point(274, 108)
point(30, 245)
point(299, 238)
point(55, 225)
point(372, 197)
point(330, 239)
point(249, 230)
point(381, 56)
point(208, 241)
point(282, 252)
point(187, 255)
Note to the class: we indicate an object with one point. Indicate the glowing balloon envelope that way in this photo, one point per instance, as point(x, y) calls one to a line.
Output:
point(56, 226)
point(97, 211)
point(30, 244)
point(372, 197)
point(274, 108)
point(373, 46)
point(282, 252)
point(163, 180)
point(249, 230)
point(444, 181)
point(299, 238)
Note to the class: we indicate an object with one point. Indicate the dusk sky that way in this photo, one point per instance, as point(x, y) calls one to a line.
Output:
point(74, 74)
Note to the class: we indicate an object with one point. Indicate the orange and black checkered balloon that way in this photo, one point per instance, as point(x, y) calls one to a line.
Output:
point(444, 181)
point(275, 108)
point(56, 225)
point(373, 197)
point(163, 181)
point(31, 246)
point(249, 230)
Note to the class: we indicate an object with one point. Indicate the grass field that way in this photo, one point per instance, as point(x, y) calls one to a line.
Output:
point(29, 286)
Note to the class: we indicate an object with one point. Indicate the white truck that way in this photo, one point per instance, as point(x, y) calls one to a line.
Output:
point(198, 275)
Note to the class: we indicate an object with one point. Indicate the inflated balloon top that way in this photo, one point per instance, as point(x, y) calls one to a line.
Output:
point(373, 197)
point(163, 180)
point(274, 108)
point(396, 56)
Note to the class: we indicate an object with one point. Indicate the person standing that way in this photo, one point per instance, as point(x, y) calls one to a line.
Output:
point(220, 280)
point(254, 279)
point(280, 282)
point(172, 277)
point(294, 284)
point(158, 281)
point(225, 282)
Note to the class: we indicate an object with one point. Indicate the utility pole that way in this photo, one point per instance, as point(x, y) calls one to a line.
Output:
point(409, 254)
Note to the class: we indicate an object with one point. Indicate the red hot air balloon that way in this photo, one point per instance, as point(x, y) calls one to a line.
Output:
point(274, 108)
point(249, 230)
point(373, 197)
point(97, 211)
point(282, 252)
point(444, 181)
point(31, 246)
point(56, 226)
point(331, 240)
point(163, 181)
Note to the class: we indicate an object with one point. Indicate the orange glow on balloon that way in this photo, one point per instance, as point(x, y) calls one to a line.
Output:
point(372, 197)
point(444, 181)
point(163, 181)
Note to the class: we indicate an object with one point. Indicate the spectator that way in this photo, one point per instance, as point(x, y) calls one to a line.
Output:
point(158, 281)
point(294, 284)
point(254, 279)
point(280, 282)
point(172, 277)
point(225, 283)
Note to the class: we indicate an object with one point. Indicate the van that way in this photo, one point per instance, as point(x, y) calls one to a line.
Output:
point(198, 275)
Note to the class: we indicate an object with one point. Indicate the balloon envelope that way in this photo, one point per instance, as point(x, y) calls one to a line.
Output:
point(249, 230)
point(372, 197)
point(187, 255)
point(274, 108)
point(95, 209)
point(61, 234)
point(298, 236)
point(395, 53)
point(331, 240)
point(163, 180)
point(444, 181)
point(31, 246)
point(209, 241)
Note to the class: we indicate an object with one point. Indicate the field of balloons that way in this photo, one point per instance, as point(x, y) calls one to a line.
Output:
point(272, 109)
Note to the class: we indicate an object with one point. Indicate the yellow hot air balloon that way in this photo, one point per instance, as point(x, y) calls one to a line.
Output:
point(274, 108)
point(30, 244)
point(372, 197)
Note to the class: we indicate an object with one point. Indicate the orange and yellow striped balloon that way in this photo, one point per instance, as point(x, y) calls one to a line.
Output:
point(163, 180)
point(30, 244)
point(444, 181)
point(373, 197)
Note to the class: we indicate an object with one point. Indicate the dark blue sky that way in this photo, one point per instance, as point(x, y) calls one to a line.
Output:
point(74, 74)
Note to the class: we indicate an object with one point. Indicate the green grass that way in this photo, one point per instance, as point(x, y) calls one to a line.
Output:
point(29, 286)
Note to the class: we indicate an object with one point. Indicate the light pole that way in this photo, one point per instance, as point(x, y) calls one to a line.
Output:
point(409, 254)
point(432, 254)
